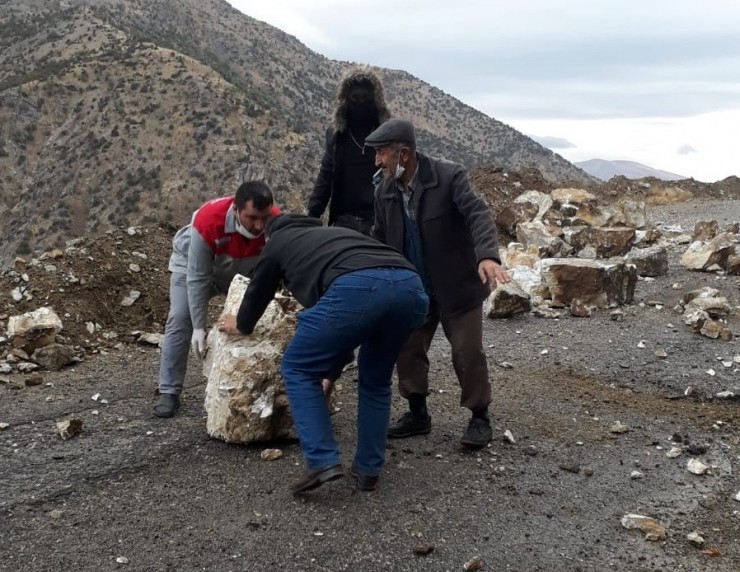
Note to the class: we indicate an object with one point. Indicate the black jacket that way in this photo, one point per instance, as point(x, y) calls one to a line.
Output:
point(306, 257)
point(455, 227)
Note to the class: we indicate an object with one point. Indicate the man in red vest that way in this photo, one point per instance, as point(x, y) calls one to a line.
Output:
point(224, 238)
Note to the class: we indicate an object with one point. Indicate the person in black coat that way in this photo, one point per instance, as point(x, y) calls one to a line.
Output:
point(356, 291)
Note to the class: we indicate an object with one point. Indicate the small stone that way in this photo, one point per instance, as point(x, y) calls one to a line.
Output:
point(737, 496)
point(271, 454)
point(34, 379)
point(653, 529)
point(69, 428)
point(695, 538)
point(588, 470)
point(508, 436)
point(95, 397)
point(90, 327)
point(134, 267)
point(122, 560)
point(725, 395)
point(423, 549)
point(544, 352)
point(711, 372)
point(4, 426)
point(56, 513)
point(661, 354)
point(641, 344)
point(618, 428)
point(132, 297)
point(674, 452)
point(506, 365)
point(696, 467)
point(475, 563)
point(636, 475)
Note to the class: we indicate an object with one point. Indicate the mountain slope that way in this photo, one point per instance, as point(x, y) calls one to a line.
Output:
point(119, 112)
point(605, 170)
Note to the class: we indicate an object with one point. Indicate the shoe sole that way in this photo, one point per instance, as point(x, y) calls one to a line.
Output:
point(331, 474)
point(473, 444)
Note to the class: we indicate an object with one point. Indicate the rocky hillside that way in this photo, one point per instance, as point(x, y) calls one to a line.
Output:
point(125, 112)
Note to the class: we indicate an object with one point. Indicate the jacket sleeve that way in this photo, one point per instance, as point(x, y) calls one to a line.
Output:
point(477, 215)
point(321, 193)
point(260, 292)
point(199, 278)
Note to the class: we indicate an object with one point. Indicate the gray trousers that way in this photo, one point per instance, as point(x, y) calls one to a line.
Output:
point(178, 331)
point(465, 334)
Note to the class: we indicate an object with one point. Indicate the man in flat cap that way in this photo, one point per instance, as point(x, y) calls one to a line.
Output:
point(427, 209)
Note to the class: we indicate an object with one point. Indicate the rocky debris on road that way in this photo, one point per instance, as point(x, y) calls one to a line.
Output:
point(245, 398)
point(69, 428)
point(652, 528)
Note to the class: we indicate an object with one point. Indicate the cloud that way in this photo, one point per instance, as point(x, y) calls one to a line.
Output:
point(553, 142)
point(685, 149)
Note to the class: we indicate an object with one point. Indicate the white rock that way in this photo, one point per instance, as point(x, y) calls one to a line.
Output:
point(134, 267)
point(725, 395)
point(653, 529)
point(245, 399)
point(696, 467)
point(544, 352)
point(122, 560)
point(695, 538)
point(132, 297)
point(6, 425)
point(90, 327)
point(618, 427)
point(737, 496)
point(674, 452)
point(710, 371)
point(635, 475)
point(95, 397)
point(641, 344)
point(17, 294)
point(509, 437)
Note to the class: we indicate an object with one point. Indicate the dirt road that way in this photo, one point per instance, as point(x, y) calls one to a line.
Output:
point(134, 492)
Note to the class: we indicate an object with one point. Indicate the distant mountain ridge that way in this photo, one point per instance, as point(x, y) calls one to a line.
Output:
point(605, 170)
point(117, 112)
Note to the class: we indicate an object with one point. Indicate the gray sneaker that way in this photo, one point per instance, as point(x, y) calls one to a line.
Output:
point(478, 434)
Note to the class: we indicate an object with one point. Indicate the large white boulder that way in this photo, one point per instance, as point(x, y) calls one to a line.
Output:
point(245, 398)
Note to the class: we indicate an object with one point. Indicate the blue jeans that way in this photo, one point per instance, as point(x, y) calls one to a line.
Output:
point(376, 309)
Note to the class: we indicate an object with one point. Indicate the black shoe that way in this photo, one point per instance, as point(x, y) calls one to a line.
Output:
point(410, 424)
point(167, 405)
point(364, 482)
point(313, 479)
point(478, 434)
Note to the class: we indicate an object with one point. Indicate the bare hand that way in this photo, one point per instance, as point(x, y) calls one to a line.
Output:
point(227, 324)
point(492, 273)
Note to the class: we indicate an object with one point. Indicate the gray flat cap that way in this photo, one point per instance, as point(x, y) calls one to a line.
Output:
point(392, 131)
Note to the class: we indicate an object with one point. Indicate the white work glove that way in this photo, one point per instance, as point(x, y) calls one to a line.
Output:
point(198, 343)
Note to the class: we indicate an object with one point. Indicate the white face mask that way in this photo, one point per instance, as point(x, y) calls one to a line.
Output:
point(243, 231)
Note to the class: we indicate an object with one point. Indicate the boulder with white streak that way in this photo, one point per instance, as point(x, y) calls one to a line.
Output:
point(34, 329)
point(245, 398)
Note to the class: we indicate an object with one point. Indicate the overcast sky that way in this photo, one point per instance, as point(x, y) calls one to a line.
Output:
point(652, 81)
